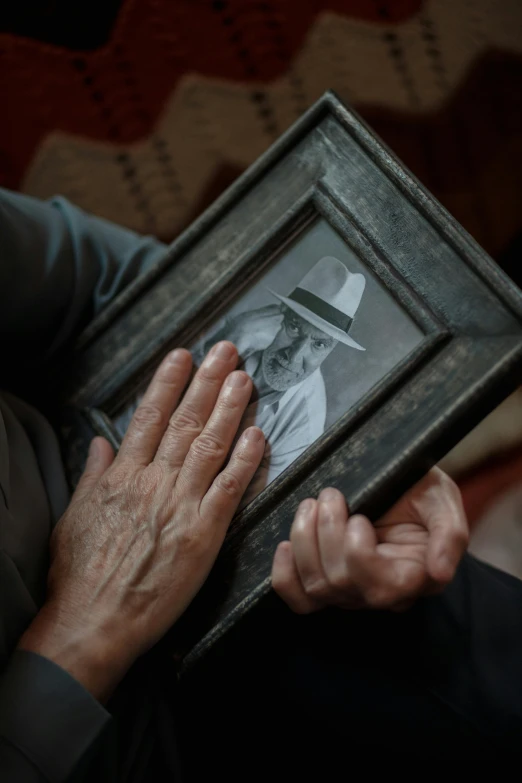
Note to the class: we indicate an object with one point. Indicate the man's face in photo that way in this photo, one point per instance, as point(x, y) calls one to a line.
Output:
point(297, 350)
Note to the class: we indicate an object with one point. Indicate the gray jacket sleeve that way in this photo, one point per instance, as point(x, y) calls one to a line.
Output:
point(59, 267)
point(49, 724)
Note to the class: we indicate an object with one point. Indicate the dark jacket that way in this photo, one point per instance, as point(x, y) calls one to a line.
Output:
point(58, 268)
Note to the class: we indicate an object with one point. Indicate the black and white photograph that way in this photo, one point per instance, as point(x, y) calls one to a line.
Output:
point(315, 333)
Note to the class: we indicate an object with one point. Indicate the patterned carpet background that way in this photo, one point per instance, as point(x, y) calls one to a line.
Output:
point(142, 111)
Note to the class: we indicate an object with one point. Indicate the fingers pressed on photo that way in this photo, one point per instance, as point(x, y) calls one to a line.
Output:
point(222, 499)
point(209, 450)
point(150, 419)
point(189, 419)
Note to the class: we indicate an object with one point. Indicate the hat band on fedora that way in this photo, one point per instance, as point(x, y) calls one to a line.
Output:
point(321, 308)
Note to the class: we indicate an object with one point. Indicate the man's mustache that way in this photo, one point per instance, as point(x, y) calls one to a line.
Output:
point(282, 363)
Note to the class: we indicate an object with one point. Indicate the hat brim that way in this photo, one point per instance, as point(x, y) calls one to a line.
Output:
point(317, 321)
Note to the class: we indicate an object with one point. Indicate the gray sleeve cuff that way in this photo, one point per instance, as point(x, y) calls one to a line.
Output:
point(46, 717)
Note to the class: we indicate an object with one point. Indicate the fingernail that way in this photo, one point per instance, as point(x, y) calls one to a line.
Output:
point(178, 356)
point(253, 435)
point(237, 379)
point(328, 495)
point(224, 350)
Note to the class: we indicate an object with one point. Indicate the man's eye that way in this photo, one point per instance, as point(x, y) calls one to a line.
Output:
point(293, 327)
point(320, 345)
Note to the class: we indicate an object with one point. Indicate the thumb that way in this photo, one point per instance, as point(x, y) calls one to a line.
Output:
point(101, 456)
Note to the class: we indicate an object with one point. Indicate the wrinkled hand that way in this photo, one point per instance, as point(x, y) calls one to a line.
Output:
point(336, 560)
point(143, 529)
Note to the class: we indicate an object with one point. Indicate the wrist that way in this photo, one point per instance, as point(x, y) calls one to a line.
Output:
point(88, 655)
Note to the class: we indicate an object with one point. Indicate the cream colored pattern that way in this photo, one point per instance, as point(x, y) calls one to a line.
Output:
point(207, 123)
point(498, 432)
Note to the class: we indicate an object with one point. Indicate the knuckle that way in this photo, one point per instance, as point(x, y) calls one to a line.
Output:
point(300, 528)
point(106, 483)
point(339, 580)
point(113, 479)
point(89, 476)
point(402, 585)
point(148, 415)
point(190, 539)
point(281, 582)
point(228, 483)
point(146, 482)
point(227, 403)
point(377, 598)
point(208, 446)
point(209, 375)
point(447, 485)
point(461, 538)
point(317, 588)
point(185, 420)
point(243, 460)
point(460, 533)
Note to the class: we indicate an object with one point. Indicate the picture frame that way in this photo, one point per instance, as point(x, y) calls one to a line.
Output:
point(328, 171)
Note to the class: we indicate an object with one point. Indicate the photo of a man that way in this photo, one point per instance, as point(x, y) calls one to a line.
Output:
point(315, 332)
point(289, 403)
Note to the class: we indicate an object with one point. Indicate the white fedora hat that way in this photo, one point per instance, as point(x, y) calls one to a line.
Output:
point(328, 297)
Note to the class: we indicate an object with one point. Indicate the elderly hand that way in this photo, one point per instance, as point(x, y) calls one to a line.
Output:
point(334, 559)
point(143, 529)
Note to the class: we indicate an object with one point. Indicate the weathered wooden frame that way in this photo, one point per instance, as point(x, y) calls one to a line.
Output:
point(330, 164)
